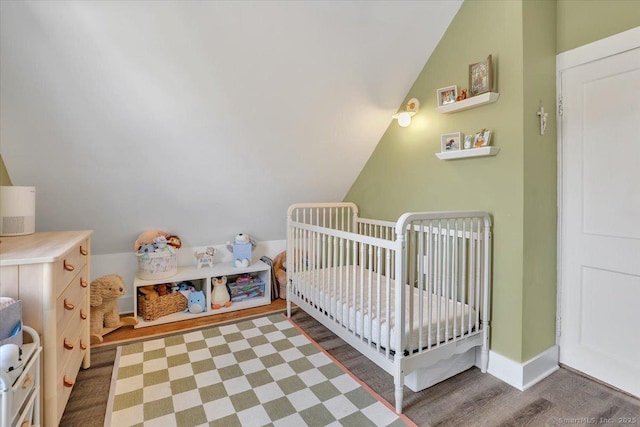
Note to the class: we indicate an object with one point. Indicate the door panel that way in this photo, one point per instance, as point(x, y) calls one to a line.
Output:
point(600, 222)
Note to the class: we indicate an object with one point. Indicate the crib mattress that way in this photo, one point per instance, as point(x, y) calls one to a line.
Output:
point(322, 287)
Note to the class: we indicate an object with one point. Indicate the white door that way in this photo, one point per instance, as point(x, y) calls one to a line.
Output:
point(600, 219)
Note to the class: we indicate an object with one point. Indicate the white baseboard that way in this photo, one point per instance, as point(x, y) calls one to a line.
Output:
point(524, 375)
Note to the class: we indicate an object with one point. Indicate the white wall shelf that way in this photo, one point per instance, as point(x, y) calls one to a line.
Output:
point(474, 101)
point(472, 152)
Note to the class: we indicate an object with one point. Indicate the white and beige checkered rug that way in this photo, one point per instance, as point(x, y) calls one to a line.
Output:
point(260, 372)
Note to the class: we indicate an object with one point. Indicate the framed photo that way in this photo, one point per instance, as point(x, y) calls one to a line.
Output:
point(482, 138)
point(451, 142)
point(447, 95)
point(480, 77)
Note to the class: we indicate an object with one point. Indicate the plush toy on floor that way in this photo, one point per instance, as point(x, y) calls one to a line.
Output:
point(280, 271)
point(220, 295)
point(105, 292)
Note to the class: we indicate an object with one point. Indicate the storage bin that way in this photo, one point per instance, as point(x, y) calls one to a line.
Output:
point(166, 304)
point(157, 265)
point(246, 288)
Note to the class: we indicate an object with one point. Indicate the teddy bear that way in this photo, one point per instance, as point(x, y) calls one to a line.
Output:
point(280, 271)
point(105, 292)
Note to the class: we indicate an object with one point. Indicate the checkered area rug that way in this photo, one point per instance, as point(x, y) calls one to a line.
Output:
point(260, 372)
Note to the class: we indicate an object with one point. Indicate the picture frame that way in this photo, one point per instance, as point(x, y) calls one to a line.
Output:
point(482, 138)
point(447, 95)
point(451, 142)
point(481, 77)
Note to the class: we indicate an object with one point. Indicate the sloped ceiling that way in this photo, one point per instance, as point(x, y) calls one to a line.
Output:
point(202, 118)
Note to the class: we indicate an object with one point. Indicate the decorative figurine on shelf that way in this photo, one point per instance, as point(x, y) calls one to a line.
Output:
point(462, 96)
point(205, 259)
point(468, 141)
point(220, 294)
point(241, 250)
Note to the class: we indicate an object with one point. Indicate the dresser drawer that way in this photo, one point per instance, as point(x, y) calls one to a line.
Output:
point(70, 340)
point(72, 300)
point(67, 376)
point(68, 266)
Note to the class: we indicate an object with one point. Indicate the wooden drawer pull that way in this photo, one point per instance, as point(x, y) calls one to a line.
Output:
point(68, 382)
point(83, 346)
point(83, 315)
point(68, 344)
point(68, 267)
point(27, 381)
point(68, 305)
point(83, 283)
point(83, 251)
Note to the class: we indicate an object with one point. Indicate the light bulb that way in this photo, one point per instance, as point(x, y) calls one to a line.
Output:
point(404, 119)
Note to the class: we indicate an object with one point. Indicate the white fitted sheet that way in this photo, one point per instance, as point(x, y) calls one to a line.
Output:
point(322, 287)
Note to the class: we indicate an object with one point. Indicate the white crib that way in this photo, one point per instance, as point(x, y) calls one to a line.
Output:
point(343, 270)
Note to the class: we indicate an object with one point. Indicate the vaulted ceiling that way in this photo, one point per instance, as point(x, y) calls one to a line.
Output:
point(201, 118)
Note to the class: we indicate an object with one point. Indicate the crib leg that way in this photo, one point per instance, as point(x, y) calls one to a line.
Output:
point(288, 300)
point(484, 354)
point(399, 383)
point(399, 399)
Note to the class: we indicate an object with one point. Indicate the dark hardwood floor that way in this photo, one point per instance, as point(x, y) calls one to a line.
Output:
point(468, 399)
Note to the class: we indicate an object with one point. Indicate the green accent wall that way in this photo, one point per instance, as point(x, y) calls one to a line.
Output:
point(403, 173)
point(519, 185)
point(540, 179)
point(4, 174)
point(585, 21)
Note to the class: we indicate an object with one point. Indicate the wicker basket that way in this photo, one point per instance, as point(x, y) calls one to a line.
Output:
point(161, 306)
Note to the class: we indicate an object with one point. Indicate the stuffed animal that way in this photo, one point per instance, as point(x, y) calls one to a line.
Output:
point(186, 287)
point(205, 258)
point(280, 271)
point(241, 249)
point(11, 361)
point(147, 238)
point(196, 302)
point(163, 289)
point(150, 292)
point(220, 295)
point(105, 292)
point(174, 241)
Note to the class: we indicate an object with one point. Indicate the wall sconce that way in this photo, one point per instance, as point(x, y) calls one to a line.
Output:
point(406, 112)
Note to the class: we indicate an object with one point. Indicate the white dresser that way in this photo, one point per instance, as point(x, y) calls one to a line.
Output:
point(49, 272)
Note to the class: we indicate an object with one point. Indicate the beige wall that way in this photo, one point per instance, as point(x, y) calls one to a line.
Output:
point(518, 187)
